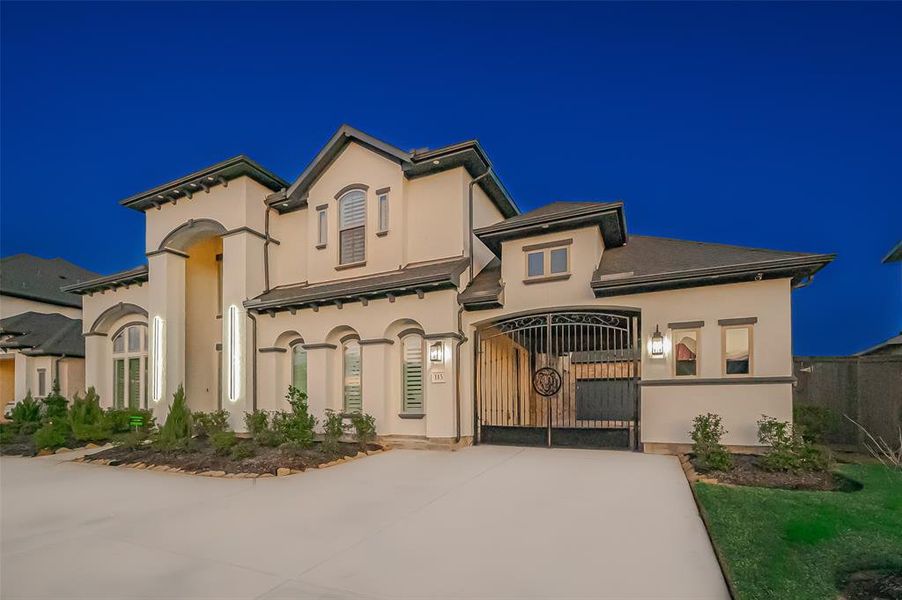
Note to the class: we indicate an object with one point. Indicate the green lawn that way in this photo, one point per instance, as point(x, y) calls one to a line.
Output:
point(788, 544)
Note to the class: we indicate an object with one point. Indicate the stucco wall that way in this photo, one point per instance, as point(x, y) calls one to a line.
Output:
point(203, 330)
point(11, 306)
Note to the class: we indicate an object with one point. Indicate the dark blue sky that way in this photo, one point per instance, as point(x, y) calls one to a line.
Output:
point(770, 125)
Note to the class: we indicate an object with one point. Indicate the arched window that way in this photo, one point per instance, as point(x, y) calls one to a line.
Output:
point(412, 371)
point(352, 227)
point(299, 367)
point(130, 367)
point(352, 390)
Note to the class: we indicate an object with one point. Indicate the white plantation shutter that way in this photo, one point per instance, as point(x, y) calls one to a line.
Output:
point(412, 374)
point(353, 399)
point(352, 227)
point(299, 367)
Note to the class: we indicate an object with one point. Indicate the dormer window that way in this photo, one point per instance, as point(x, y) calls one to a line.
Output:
point(549, 261)
point(352, 228)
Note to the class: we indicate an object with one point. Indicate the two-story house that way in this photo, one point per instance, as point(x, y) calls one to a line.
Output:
point(40, 328)
point(409, 286)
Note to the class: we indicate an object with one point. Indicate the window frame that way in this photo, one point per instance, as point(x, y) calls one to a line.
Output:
point(383, 209)
point(750, 327)
point(404, 338)
point(342, 230)
point(698, 351)
point(126, 356)
point(545, 249)
point(322, 226)
point(345, 345)
point(42, 383)
point(292, 349)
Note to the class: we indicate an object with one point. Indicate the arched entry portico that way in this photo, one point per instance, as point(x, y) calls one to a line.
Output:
point(564, 378)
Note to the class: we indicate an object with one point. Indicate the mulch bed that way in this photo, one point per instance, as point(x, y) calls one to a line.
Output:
point(21, 446)
point(873, 585)
point(203, 458)
point(747, 472)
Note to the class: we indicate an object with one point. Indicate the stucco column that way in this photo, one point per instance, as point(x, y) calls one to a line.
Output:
point(318, 358)
point(270, 377)
point(165, 316)
point(441, 383)
point(95, 361)
point(242, 279)
point(375, 382)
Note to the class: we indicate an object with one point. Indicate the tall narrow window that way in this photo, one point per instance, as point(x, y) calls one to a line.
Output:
point(352, 392)
point(130, 367)
point(299, 367)
point(352, 227)
point(685, 352)
point(42, 382)
point(322, 228)
point(383, 213)
point(737, 350)
point(412, 374)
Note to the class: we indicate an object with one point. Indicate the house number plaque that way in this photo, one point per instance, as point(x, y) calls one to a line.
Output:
point(546, 381)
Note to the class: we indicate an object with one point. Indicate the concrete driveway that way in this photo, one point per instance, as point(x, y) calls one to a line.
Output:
point(485, 522)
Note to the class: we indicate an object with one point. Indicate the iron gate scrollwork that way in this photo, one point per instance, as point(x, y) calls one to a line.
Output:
point(594, 355)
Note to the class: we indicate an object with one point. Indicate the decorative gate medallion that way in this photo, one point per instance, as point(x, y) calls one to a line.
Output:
point(546, 381)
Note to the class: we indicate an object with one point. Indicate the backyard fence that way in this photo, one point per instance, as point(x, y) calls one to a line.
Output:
point(866, 388)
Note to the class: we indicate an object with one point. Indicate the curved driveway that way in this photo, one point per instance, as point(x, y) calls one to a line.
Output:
point(485, 522)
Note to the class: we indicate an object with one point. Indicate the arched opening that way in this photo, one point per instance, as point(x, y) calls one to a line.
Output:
point(203, 323)
point(107, 318)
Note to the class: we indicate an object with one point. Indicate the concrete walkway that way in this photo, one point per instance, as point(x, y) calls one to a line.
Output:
point(485, 522)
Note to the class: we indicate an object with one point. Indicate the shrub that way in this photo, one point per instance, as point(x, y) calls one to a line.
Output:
point(206, 424)
point(29, 427)
point(256, 422)
point(223, 441)
point(333, 429)
point(707, 431)
point(813, 422)
point(242, 451)
point(788, 450)
point(26, 410)
point(269, 439)
point(53, 435)
point(8, 434)
point(176, 431)
point(298, 424)
point(364, 428)
point(132, 440)
point(55, 404)
point(120, 419)
point(88, 422)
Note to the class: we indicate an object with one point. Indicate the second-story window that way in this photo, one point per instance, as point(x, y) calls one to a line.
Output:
point(322, 228)
point(352, 227)
point(383, 213)
point(548, 260)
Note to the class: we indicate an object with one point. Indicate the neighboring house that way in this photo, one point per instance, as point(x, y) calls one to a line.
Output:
point(40, 327)
point(408, 285)
point(892, 346)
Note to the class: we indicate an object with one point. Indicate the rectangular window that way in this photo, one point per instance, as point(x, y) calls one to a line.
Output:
point(559, 261)
point(134, 383)
point(383, 213)
point(352, 393)
point(299, 368)
point(685, 352)
point(42, 382)
point(134, 339)
point(535, 264)
point(119, 383)
point(322, 231)
point(412, 375)
point(737, 350)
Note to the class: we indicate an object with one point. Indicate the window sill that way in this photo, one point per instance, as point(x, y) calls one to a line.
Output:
point(362, 263)
point(411, 415)
point(547, 278)
point(320, 246)
point(382, 233)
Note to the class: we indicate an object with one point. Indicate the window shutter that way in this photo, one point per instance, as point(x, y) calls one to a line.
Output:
point(353, 400)
point(353, 247)
point(134, 382)
point(119, 383)
point(412, 371)
point(352, 225)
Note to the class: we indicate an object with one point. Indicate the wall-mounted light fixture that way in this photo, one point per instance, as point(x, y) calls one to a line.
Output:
point(437, 352)
point(234, 354)
point(157, 392)
point(657, 343)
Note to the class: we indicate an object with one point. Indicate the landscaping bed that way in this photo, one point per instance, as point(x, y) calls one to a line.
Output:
point(747, 471)
point(873, 585)
point(201, 456)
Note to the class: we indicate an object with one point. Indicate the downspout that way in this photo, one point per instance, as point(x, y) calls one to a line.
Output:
point(460, 311)
point(266, 248)
point(254, 361)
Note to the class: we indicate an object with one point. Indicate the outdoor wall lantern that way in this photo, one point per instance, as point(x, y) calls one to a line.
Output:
point(437, 352)
point(657, 343)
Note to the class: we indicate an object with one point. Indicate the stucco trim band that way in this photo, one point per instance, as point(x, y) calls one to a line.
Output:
point(719, 381)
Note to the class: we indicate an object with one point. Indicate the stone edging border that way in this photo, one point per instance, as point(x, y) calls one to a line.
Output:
point(280, 472)
point(691, 478)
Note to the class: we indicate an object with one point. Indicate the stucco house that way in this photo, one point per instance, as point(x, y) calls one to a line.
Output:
point(40, 327)
point(410, 286)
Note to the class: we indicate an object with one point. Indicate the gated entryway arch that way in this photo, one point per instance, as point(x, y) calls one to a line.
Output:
point(566, 378)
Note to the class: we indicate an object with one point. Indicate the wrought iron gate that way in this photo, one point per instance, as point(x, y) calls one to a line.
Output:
point(592, 356)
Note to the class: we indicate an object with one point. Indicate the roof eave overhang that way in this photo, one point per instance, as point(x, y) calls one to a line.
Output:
point(796, 269)
point(609, 220)
point(133, 276)
point(204, 180)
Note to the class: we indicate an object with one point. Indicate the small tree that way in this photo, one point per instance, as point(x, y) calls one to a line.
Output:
point(176, 431)
point(206, 424)
point(707, 431)
point(296, 426)
point(87, 419)
point(788, 449)
point(364, 428)
point(55, 404)
point(26, 410)
point(333, 429)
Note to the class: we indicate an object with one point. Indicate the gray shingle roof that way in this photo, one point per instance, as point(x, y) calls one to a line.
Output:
point(137, 274)
point(40, 334)
point(485, 291)
point(35, 278)
point(437, 275)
